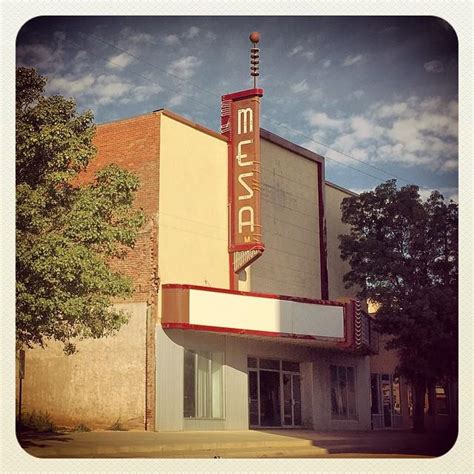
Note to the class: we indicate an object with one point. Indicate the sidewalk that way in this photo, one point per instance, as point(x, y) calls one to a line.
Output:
point(233, 444)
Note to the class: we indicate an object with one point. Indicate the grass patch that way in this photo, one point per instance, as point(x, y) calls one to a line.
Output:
point(38, 421)
point(81, 428)
point(116, 426)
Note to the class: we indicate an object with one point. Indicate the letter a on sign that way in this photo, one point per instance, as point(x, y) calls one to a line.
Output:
point(240, 122)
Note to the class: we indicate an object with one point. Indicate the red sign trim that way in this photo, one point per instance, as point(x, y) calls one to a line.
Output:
point(249, 332)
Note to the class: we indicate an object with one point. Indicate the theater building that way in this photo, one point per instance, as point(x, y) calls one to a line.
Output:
point(240, 318)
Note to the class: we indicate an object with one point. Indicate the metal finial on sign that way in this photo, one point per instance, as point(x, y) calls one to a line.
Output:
point(254, 57)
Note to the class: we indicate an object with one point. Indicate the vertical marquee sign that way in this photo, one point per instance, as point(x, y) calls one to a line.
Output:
point(240, 122)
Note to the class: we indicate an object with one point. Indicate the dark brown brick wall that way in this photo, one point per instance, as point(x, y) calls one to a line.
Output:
point(133, 144)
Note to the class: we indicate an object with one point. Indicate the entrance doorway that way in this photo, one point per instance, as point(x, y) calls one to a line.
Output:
point(270, 402)
point(385, 401)
point(274, 393)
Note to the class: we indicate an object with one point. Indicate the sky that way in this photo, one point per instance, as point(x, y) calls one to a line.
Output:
point(376, 96)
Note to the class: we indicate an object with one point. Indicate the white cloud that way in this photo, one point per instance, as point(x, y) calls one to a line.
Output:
point(171, 40)
point(68, 85)
point(430, 103)
point(109, 88)
point(326, 63)
point(211, 36)
point(142, 93)
point(192, 32)
point(309, 55)
point(392, 110)
point(359, 93)
point(300, 51)
point(140, 38)
point(321, 119)
point(345, 143)
point(410, 132)
point(363, 128)
point(103, 89)
point(434, 66)
point(351, 60)
point(316, 94)
point(41, 56)
point(185, 67)
point(176, 100)
point(119, 61)
point(449, 193)
point(295, 50)
point(300, 87)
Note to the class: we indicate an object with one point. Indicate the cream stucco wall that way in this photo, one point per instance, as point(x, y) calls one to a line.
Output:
point(193, 198)
point(100, 384)
point(290, 264)
point(336, 266)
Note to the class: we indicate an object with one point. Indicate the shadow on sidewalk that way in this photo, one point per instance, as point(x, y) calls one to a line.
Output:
point(30, 438)
point(396, 442)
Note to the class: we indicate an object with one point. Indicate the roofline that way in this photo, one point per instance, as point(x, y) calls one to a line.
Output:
point(174, 116)
point(190, 123)
point(340, 188)
point(124, 119)
point(299, 150)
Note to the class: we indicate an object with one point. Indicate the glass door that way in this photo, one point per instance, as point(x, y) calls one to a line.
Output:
point(386, 389)
point(385, 401)
point(274, 393)
point(254, 404)
point(291, 399)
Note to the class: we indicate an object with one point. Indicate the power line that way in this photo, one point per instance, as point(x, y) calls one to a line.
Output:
point(143, 76)
point(338, 151)
point(138, 58)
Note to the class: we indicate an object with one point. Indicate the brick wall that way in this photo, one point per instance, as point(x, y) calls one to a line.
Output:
point(133, 144)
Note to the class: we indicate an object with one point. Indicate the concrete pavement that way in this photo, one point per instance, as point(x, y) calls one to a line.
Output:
point(233, 444)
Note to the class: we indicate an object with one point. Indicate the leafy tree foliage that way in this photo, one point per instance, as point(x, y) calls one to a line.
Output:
point(403, 254)
point(66, 234)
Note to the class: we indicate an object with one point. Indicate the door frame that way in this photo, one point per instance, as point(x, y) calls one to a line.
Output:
point(280, 371)
point(378, 419)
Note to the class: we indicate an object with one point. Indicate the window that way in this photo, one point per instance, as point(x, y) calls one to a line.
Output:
point(203, 384)
point(342, 392)
point(442, 407)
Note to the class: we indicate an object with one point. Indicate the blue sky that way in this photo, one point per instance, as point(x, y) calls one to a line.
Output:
point(377, 96)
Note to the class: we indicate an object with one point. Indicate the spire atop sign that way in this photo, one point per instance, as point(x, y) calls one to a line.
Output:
point(254, 57)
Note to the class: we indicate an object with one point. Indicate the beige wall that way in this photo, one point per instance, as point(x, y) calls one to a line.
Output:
point(336, 267)
point(315, 380)
point(322, 418)
point(100, 384)
point(290, 264)
point(193, 238)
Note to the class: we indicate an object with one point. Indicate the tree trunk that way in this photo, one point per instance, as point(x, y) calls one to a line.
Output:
point(419, 406)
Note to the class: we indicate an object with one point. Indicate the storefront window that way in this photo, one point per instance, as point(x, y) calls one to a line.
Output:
point(203, 384)
point(343, 404)
point(396, 396)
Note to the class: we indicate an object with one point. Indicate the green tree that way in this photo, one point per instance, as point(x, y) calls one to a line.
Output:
point(66, 234)
point(403, 254)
